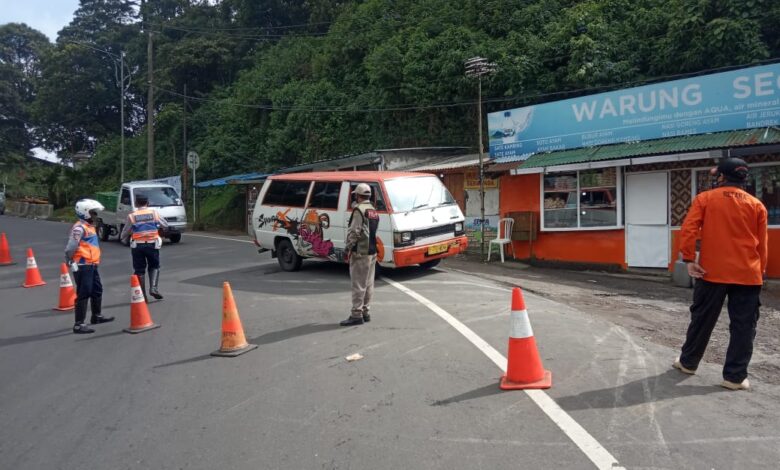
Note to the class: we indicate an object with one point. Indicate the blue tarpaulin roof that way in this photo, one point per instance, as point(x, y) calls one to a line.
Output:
point(230, 179)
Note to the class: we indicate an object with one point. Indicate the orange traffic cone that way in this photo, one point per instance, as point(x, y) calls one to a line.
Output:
point(67, 294)
point(524, 367)
point(32, 276)
point(233, 339)
point(140, 320)
point(5, 253)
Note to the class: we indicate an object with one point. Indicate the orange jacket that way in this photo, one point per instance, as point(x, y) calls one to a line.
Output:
point(732, 227)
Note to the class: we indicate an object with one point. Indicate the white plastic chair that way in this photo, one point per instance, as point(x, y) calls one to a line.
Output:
point(504, 238)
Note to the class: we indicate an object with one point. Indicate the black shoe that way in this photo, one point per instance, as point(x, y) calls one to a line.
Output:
point(366, 318)
point(100, 319)
point(352, 321)
point(155, 294)
point(81, 329)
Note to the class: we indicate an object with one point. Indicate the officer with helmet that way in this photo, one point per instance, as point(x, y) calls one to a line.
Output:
point(732, 227)
point(142, 230)
point(360, 246)
point(82, 254)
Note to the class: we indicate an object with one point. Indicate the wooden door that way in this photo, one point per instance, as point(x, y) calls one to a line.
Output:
point(454, 182)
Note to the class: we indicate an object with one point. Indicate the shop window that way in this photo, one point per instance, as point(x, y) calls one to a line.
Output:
point(581, 199)
point(763, 183)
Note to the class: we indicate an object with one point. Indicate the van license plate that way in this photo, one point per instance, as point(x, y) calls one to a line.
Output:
point(436, 249)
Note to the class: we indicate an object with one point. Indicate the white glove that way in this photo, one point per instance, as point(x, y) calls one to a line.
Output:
point(133, 244)
point(74, 267)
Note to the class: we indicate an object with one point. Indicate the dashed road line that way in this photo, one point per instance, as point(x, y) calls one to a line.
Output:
point(218, 238)
point(582, 438)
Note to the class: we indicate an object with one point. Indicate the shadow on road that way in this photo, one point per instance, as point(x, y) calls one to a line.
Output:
point(33, 338)
point(104, 335)
point(486, 391)
point(185, 361)
point(294, 332)
point(663, 386)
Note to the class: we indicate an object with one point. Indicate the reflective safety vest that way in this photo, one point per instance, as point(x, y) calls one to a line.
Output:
point(366, 244)
point(145, 225)
point(88, 251)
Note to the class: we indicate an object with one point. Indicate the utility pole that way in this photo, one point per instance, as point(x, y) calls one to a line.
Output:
point(122, 113)
point(477, 67)
point(184, 147)
point(150, 112)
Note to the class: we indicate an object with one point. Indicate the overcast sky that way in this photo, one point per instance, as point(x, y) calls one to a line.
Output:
point(47, 16)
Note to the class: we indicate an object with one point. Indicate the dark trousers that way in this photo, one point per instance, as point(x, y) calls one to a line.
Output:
point(743, 303)
point(145, 254)
point(88, 287)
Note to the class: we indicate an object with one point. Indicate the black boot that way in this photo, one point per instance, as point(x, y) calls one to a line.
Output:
point(366, 316)
point(97, 308)
point(142, 282)
point(352, 321)
point(82, 329)
point(154, 279)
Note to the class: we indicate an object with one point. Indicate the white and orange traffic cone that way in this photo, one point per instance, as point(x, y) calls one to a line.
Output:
point(5, 252)
point(67, 293)
point(140, 320)
point(233, 340)
point(524, 366)
point(32, 277)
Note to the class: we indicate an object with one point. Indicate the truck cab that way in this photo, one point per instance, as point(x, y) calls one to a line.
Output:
point(163, 198)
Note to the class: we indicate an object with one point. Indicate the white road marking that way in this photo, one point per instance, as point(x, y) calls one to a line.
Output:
point(218, 238)
point(587, 443)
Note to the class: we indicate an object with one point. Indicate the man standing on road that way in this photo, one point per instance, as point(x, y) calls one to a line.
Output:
point(731, 225)
point(82, 254)
point(360, 246)
point(142, 231)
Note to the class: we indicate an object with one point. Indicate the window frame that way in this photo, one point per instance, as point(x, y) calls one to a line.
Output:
point(620, 174)
point(694, 182)
point(129, 197)
point(351, 184)
point(311, 195)
point(287, 182)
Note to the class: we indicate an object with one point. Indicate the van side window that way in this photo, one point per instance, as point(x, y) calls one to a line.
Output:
point(325, 195)
point(377, 199)
point(287, 193)
point(125, 198)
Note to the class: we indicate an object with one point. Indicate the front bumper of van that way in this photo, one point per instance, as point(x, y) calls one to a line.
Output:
point(174, 228)
point(421, 254)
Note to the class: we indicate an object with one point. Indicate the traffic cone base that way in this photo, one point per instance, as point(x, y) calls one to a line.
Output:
point(140, 320)
point(235, 352)
point(545, 382)
point(233, 340)
point(5, 252)
point(32, 275)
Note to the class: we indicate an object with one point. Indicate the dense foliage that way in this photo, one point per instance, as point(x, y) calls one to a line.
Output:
point(272, 83)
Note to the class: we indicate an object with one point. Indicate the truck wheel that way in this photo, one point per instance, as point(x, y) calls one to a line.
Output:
point(175, 238)
point(103, 231)
point(288, 258)
point(430, 264)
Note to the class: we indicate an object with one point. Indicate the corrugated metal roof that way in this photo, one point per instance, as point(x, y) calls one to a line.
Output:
point(449, 163)
point(227, 179)
point(689, 143)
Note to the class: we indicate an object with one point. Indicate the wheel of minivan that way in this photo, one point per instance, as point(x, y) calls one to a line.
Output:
point(430, 264)
point(103, 231)
point(175, 238)
point(288, 258)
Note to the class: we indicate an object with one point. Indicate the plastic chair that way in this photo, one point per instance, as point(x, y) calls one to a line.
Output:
point(504, 238)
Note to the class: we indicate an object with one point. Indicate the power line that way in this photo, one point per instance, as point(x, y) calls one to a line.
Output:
point(411, 107)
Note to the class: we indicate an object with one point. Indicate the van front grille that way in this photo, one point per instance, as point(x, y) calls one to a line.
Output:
point(434, 231)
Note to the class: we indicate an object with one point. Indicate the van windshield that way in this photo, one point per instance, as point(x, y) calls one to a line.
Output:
point(159, 196)
point(408, 194)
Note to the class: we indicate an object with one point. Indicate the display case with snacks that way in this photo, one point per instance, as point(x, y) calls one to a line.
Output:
point(560, 200)
point(580, 199)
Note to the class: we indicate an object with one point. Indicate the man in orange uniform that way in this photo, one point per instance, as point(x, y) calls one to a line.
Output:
point(142, 230)
point(82, 254)
point(731, 225)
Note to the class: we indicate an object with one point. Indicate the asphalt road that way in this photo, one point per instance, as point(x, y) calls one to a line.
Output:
point(423, 396)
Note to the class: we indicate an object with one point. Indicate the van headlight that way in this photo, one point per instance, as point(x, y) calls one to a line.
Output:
point(402, 238)
point(459, 228)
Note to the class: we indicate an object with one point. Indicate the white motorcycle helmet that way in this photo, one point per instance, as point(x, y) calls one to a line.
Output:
point(85, 206)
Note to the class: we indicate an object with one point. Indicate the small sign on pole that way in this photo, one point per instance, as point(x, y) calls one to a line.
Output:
point(193, 162)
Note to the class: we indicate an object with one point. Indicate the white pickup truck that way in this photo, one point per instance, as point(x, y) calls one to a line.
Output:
point(162, 197)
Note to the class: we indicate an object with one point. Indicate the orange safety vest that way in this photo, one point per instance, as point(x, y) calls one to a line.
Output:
point(145, 225)
point(88, 251)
